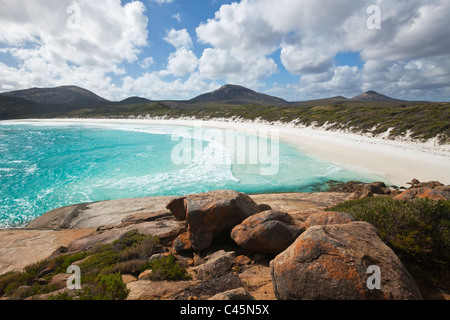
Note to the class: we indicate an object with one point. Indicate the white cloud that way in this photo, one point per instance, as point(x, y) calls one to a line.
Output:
point(309, 34)
point(181, 63)
point(146, 63)
point(222, 64)
point(179, 38)
point(177, 17)
point(85, 43)
point(152, 86)
point(66, 42)
point(162, 1)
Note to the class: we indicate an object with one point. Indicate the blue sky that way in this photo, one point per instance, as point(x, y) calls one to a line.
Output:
point(178, 49)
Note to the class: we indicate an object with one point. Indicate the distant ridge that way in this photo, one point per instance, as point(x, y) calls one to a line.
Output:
point(134, 100)
point(374, 96)
point(233, 94)
point(70, 95)
point(73, 100)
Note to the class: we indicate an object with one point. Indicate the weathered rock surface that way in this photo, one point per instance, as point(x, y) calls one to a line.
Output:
point(216, 264)
point(360, 190)
point(146, 217)
point(424, 192)
point(235, 294)
point(127, 278)
point(60, 280)
point(98, 214)
point(330, 262)
point(258, 282)
point(326, 218)
point(157, 290)
point(301, 205)
point(269, 231)
point(182, 243)
point(431, 190)
point(161, 229)
point(207, 214)
point(19, 248)
point(177, 207)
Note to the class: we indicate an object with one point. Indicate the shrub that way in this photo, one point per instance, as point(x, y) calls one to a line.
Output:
point(142, 250)
point(133, 267)
point(61, 263)
point(10, 281)
point(128, 240)
point(167, 268)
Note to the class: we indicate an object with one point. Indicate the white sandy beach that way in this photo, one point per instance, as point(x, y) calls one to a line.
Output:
point(397, 161)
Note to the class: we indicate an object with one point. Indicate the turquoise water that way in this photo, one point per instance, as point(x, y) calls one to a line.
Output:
point(44, 166)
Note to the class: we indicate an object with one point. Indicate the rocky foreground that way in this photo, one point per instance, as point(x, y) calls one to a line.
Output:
point(235, 246)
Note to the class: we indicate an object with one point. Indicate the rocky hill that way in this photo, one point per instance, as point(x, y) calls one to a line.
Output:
point(232, 94)
point(374, 96)
point(71, 95)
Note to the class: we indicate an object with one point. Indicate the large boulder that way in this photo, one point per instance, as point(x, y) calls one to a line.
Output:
point(269, 231)
point(208, 214)
point(332, 262)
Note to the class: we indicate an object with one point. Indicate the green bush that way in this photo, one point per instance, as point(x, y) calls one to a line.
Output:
point(61, 263)
point(143, 249)
point(128, 240)
point(105, 287)
point(167, 268)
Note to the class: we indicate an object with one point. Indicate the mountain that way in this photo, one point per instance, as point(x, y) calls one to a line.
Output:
point(232, 94)
point(11, 107)
point(374, 96)
point(134, 100)
point(65, 95)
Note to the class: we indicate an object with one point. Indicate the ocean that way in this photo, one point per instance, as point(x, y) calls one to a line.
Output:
point(47, 165)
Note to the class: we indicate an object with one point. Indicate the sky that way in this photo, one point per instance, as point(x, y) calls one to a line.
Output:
point(177, 49)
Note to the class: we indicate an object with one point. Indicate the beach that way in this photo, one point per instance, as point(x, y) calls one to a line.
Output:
point(398, 161)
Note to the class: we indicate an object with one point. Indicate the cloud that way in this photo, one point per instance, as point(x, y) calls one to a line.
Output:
point(156, 88)
point(62, 41)
point(177, 17)
point(179, 38)
point(146, 63)
point(181, 63)
point(222, 64)
point(308, 34)
point(162, 1)
point(80, 42)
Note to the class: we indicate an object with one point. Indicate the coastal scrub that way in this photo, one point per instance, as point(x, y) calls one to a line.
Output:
point(102, 268)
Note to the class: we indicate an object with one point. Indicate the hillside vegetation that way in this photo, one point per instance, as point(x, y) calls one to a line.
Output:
point(419, 121)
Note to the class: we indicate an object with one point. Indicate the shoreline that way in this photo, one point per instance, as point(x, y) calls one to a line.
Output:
point(397, 161)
